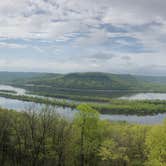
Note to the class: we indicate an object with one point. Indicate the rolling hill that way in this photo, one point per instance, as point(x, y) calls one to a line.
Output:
point(97, 81)
point(83, 81)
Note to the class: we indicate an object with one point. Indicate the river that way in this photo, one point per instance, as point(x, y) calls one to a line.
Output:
point(69, 113)
point(145, 96)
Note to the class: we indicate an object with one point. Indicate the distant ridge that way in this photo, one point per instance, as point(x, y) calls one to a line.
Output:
point(86, 80)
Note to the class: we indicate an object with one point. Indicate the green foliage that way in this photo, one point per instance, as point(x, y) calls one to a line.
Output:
point(43, 138)
point(87, 125)
point(72, 82)
point(145, 107)
point(83, 86)
point(156, 146)
point(86, 81)
point(110, 150)
point(9, 77)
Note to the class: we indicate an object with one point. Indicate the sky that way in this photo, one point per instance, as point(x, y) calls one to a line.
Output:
point(62, 36)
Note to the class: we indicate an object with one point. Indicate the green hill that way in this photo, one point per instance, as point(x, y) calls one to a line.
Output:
point(83, 81)
point(8, 77)
point(90, 80)
point(152, 79)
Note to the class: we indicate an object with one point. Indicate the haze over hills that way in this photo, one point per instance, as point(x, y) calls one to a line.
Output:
point(152, 79)
point(88, 80)
point(8, 77)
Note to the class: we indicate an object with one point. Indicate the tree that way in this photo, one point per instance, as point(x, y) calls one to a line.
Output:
point(156, 145)
point(112, 153)
point(87, 125)
point(5, 136)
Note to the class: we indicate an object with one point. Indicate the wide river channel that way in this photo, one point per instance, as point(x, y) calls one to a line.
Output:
point(69, 113)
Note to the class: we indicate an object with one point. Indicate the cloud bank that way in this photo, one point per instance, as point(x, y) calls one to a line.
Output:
point(83, 35)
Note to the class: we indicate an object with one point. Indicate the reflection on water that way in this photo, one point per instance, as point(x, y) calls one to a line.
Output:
point(152, 119)
point(14, 104)
point(19, 91)
point(22, 106)
point(69, 113)
point(145, 96)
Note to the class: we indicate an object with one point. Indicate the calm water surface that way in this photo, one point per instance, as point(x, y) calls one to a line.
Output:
point(19, 91)
point(69, 113)
point(23, 105)
point(145, 96)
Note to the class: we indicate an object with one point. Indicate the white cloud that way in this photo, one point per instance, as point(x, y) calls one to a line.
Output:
point(85, 21)
point(53, 19)
point(11, 45)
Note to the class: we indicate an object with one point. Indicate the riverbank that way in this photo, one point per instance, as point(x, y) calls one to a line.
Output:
point(114, 106)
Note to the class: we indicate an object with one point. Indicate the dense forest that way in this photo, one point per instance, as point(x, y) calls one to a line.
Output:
point(40, 137)
point(83, 84)
point(95, 81)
